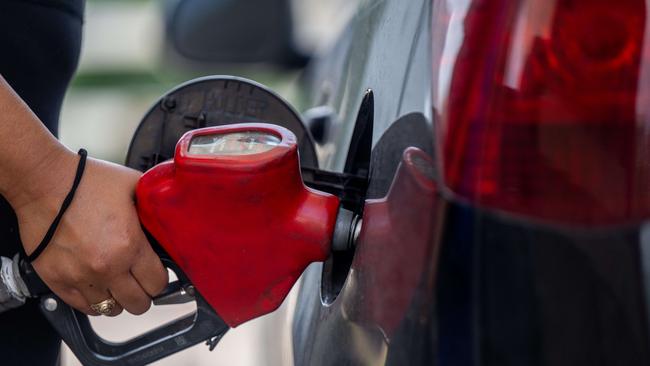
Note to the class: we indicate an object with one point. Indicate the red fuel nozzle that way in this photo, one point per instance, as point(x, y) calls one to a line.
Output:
point(232, 211)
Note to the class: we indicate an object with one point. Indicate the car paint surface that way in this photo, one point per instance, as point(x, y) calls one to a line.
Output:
point(467, 285)
point(384, 312)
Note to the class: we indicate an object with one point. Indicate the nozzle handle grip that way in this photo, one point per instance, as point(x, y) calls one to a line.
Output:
point(92, 350)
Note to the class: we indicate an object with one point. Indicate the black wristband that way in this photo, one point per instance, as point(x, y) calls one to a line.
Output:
point(83, 154)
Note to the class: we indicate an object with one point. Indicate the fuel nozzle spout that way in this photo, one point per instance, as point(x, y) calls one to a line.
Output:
point(346, 230)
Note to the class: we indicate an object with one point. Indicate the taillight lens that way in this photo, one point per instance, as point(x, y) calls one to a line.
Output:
point(543, 106)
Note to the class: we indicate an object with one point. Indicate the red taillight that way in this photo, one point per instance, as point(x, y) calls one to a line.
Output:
point(543, 106)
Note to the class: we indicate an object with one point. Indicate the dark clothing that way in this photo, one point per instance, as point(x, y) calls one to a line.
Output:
point(40, 42)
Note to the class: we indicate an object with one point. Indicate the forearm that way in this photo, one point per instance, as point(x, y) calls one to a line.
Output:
point(30, 157)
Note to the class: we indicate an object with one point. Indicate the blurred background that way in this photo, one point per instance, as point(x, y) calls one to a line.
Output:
point(126, 65)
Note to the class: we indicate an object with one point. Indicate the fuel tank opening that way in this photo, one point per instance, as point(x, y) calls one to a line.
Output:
point(348, 224)
point(336, 268)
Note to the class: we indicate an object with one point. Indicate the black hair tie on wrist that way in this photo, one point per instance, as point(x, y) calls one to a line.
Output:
point(83, 154)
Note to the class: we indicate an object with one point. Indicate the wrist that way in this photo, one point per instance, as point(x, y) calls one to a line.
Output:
point(44, 176)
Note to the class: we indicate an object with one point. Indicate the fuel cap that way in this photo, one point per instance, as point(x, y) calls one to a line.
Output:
point(212, 101)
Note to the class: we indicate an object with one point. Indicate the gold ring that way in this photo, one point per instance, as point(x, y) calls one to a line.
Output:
point(105, 307)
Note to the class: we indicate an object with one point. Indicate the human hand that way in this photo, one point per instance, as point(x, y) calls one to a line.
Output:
point(99, 250)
